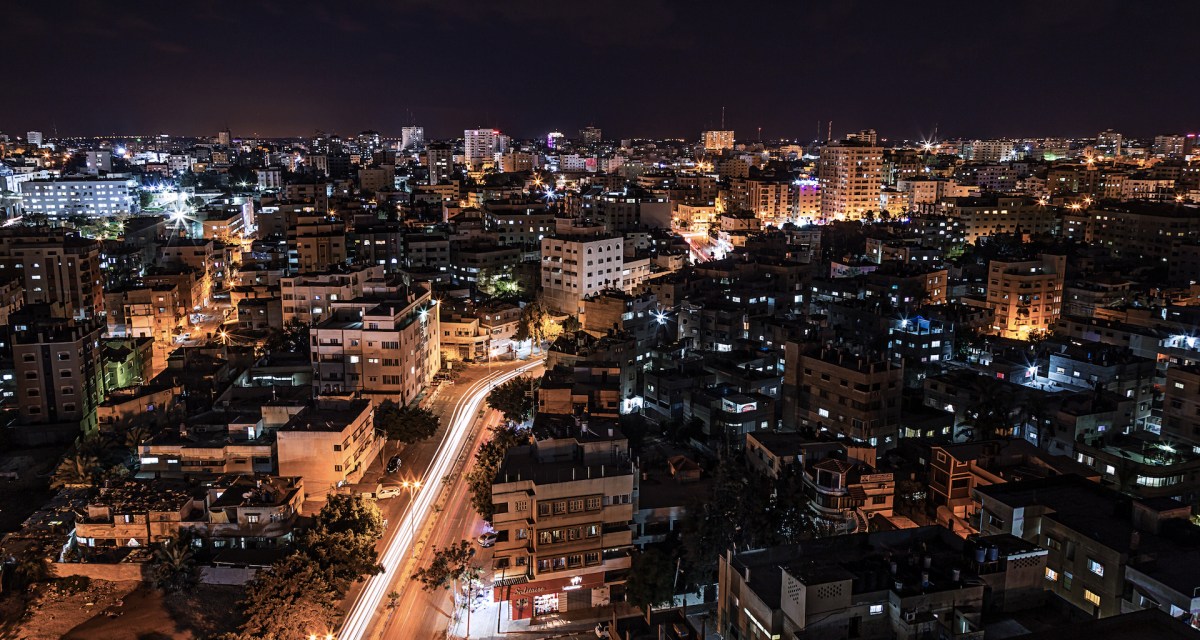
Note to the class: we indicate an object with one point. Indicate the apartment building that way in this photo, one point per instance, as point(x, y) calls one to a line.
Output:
point(717, 141)
point(148, 312)
point(851, 177)
point(904, 584)
point(329, 443)
point(518, 222)
point(64, 197)
point(564, 518)
point(317, 243)
point(388, 347)
point(851, 395)
point(55, 267)
point(58, 371)
point(1107, 555)
point(1026, 296)
point(480, 146)
point(307, 298)
point(1142, 230)
point(575, 267)
point(984, 216)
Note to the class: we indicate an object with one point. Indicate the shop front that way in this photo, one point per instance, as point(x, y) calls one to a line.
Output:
point(550, 596)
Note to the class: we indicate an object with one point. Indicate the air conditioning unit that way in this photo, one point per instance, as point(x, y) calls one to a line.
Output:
point(910, 615)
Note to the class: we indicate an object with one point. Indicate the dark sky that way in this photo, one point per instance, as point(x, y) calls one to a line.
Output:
point(632, 67)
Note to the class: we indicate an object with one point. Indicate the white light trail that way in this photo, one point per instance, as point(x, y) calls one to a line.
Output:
point(358, 621)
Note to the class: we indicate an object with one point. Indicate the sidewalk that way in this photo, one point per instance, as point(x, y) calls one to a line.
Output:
point(568, 624)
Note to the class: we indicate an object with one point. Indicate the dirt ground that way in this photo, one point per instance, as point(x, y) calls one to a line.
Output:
point(21, 497)
point(129, 611)
point(53, 612)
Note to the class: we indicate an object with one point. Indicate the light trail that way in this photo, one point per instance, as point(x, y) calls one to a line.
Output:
point(358, 621)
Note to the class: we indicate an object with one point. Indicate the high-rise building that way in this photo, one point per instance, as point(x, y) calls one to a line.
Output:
point(1026, 296)
point(554, 139)
point(34, 137)
point(225, 137)
point(989, 150)
point(480, 146)
point(55, 268)
point(1110, 142)
point(56, 361)
point(716, 141)
point(61, 198)
point(590, 135)
point(412, 138)
point(439, 158)
point(851, 176)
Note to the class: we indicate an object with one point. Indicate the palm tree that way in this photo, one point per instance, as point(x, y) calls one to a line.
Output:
point(173, 565)
point(78, 470)
point(991, 414)
point(31, 570)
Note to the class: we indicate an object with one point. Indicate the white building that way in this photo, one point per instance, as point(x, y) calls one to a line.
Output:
point(98, 161)
point(481, 146)
point(412, 138)
point(578, 267)
point(34, 137)
point(95, 197)
point(270, 178)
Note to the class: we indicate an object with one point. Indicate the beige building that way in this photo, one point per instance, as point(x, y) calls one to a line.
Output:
point(856, 396)
point(564, 512)
point(851, 176)
point(717, 141)
point(58, 371)
point(148, 312)
point(308, 297)
point(55, 267)
point(329, 444)
point(1026, 296)
point(387, 347)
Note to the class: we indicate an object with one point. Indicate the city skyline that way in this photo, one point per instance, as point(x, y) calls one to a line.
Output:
point(962, 70)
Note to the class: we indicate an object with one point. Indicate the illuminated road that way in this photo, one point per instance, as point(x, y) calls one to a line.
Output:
point(367, 605)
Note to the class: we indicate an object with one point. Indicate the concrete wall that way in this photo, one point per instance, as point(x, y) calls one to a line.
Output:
point(140, 571)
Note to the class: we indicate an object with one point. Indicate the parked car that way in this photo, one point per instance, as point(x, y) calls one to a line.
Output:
point(393, 464)
point(387, 492)
point(486, 539)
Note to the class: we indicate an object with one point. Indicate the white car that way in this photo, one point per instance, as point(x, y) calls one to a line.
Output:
point(486, 539)
point(388, 492)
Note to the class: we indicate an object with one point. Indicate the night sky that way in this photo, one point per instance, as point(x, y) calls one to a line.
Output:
point(655, 68)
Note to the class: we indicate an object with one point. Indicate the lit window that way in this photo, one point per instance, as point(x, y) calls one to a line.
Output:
point(1091, 597)
point(1095, 567)
point(1051, 575)
point(876, 609)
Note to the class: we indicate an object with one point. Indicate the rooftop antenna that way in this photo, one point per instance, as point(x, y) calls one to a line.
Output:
point(722, 118)
point(829, 132)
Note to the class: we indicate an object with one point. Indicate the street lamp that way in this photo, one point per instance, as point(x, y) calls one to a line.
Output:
point(412, 486)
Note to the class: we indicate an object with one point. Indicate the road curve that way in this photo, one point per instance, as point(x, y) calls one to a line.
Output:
point(361, 614)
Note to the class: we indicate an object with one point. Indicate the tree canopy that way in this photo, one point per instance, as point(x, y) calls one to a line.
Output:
point(449, 565)
point(651, 580)
point(487, 463)
point(405, 424)
point(514, 398)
